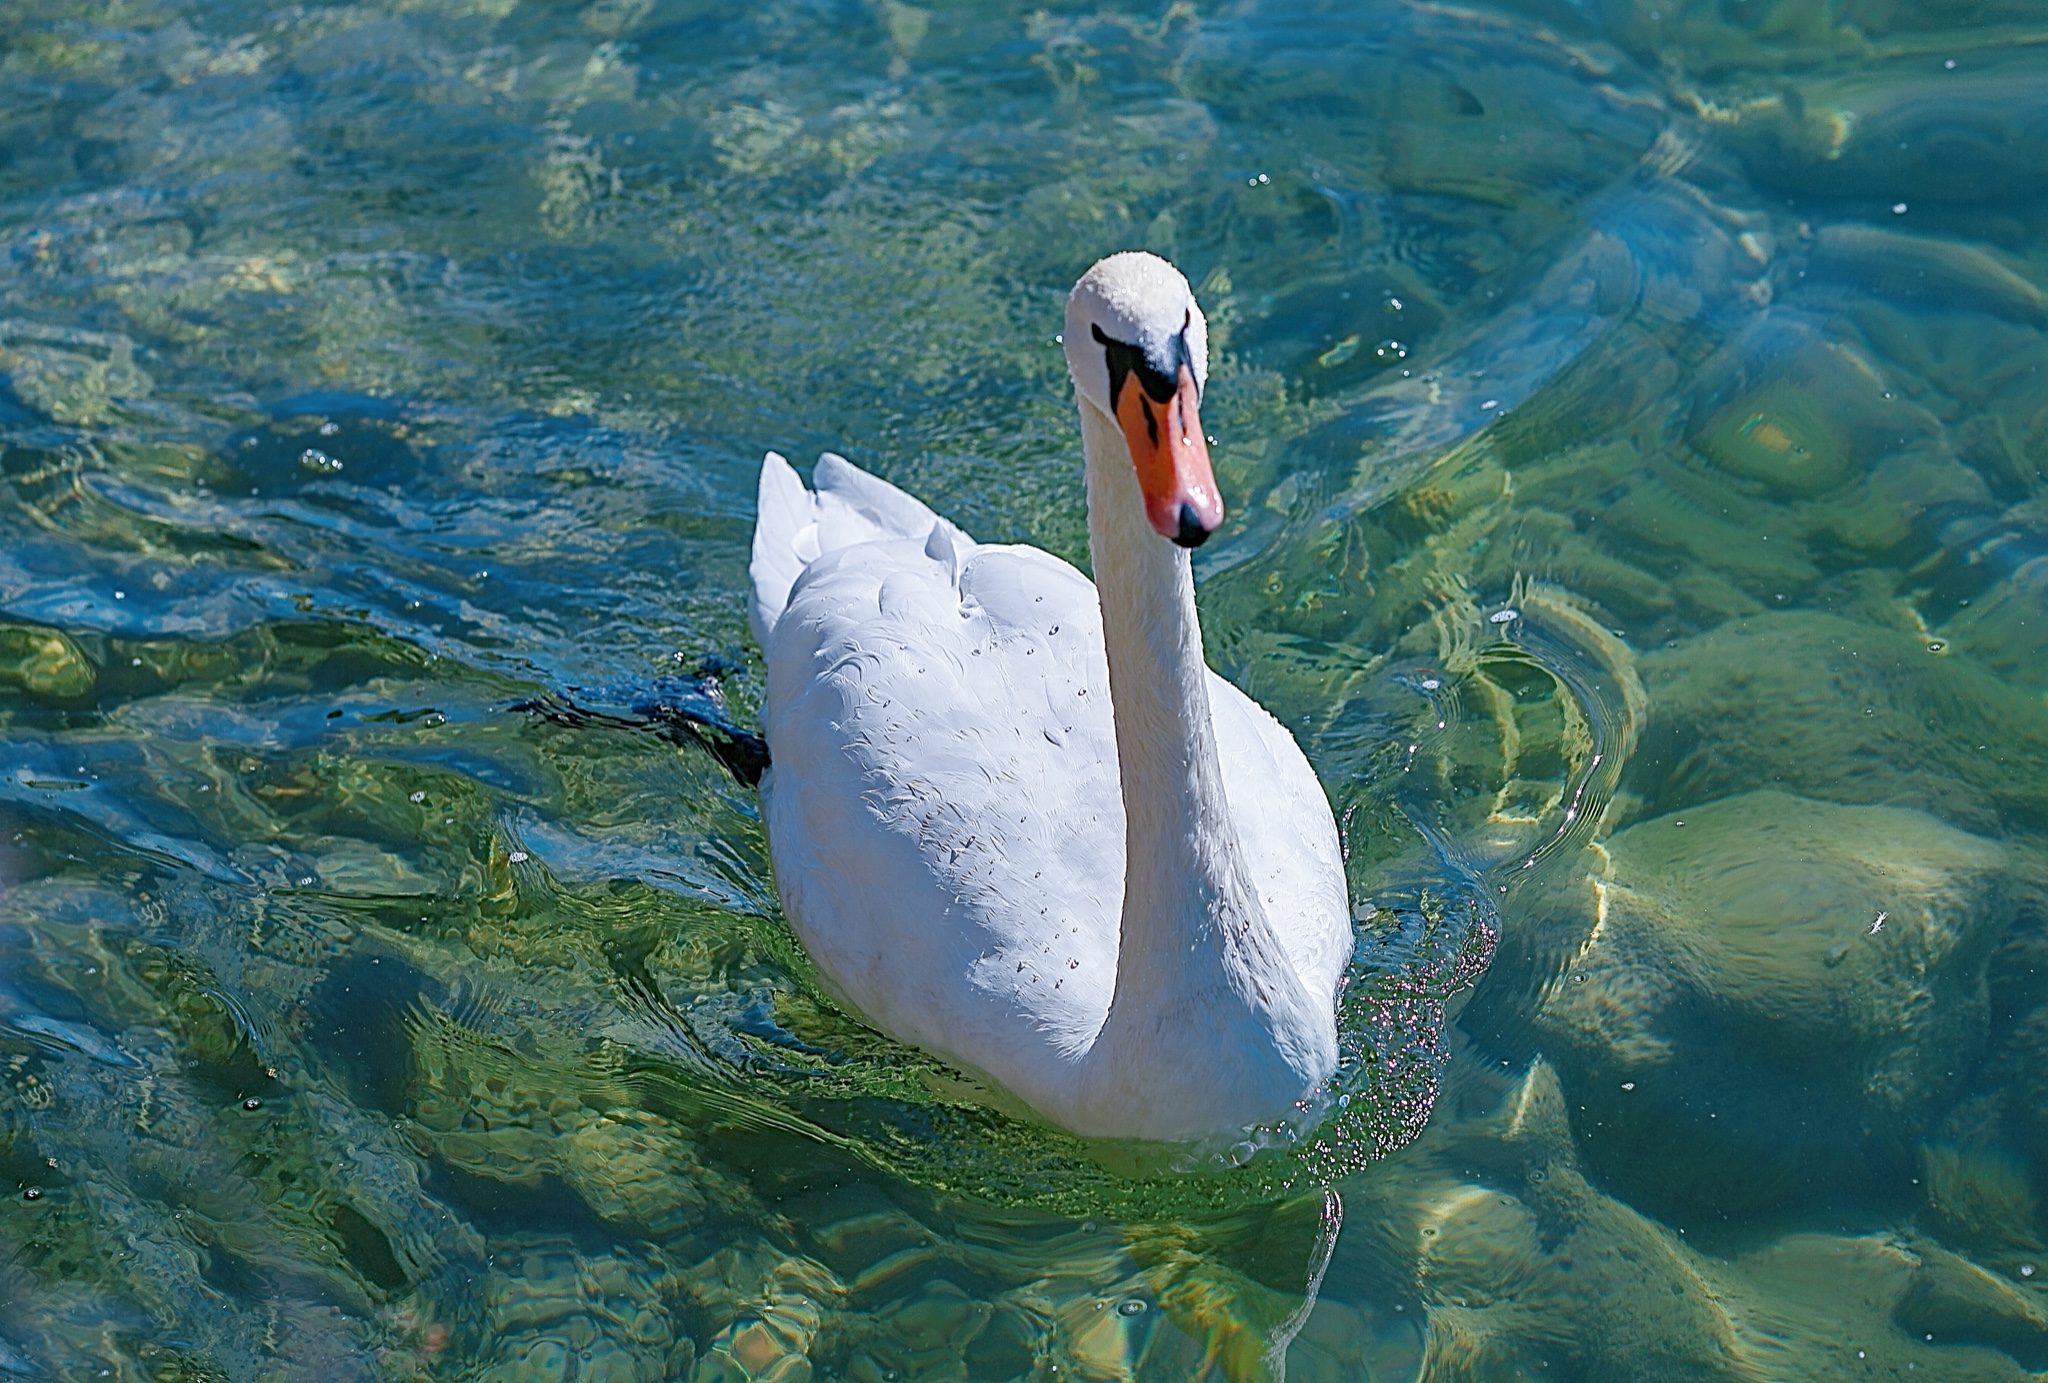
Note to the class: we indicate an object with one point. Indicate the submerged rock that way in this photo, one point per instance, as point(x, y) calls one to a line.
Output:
point(1979, 1196)
point(1768, 983)
point(2003, 626)
point(1787, 407)
point(1909, 129)
point(1526, 1267)
point(1939, 272)
point(1829, 708)
point(1535, 1268)
point(555, 1313)
point(44, 662)
point(772, 1305)
point(70, 376)
point(1824, 1306)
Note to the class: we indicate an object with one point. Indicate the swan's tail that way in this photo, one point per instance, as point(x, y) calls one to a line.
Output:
point(795, 527)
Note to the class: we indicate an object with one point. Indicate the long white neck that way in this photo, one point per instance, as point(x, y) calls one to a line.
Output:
point(1209, 1027)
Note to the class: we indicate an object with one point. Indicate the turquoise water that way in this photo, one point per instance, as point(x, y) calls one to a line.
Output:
point(1634, 419)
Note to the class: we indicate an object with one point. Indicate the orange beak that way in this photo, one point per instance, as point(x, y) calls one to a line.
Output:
point(1172, 457)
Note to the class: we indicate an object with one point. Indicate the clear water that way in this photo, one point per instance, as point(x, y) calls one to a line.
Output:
point(1634, 417)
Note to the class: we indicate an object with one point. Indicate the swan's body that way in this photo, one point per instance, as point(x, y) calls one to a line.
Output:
point(952, 821)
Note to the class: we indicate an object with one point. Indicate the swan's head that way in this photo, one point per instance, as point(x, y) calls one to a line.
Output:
point(1139, 353)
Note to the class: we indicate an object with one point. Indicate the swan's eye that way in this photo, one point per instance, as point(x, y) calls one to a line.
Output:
point(1125, 361)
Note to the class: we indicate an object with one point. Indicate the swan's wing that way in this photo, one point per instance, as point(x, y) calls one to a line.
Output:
point(784, 512)
point(944, 809)
point(1289, 836)
point(795, 527)
point(855, 507)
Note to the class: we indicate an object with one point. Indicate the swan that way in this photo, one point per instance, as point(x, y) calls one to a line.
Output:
point(1013, 817)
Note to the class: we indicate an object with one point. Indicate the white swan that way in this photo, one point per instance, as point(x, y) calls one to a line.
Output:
point(1014, 818)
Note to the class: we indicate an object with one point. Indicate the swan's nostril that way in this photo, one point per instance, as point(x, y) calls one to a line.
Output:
point(1191, 534)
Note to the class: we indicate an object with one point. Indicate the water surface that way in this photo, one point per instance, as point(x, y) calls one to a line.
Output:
point(1634, 419)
